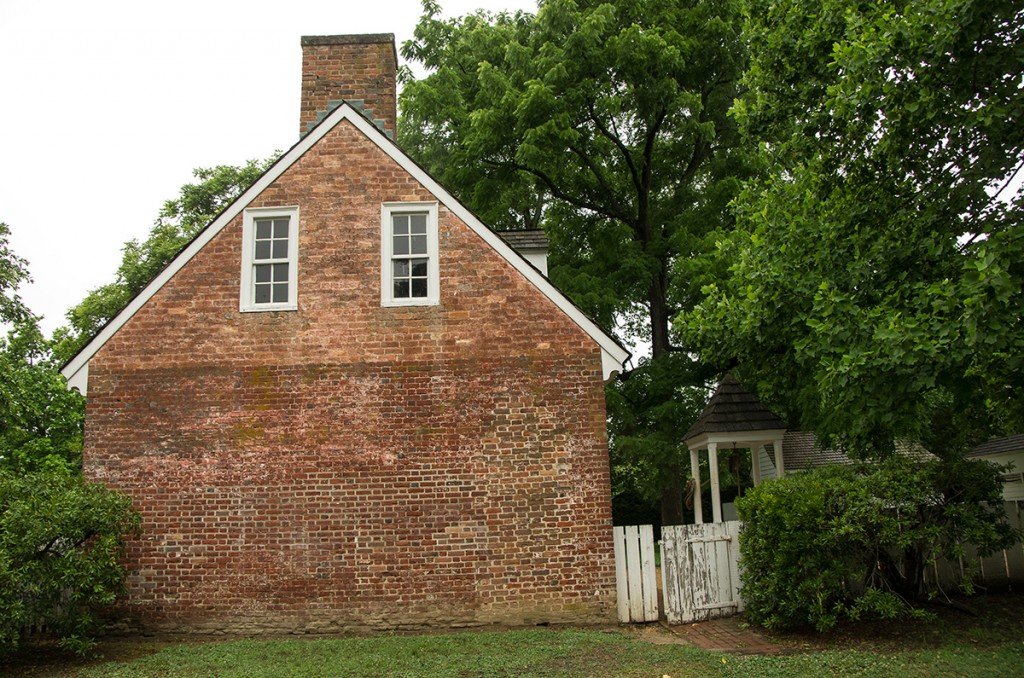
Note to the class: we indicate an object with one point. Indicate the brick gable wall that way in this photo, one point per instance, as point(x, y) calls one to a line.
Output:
point(348, 465)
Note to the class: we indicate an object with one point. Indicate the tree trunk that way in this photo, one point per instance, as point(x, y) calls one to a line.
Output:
point(672, 492)
point(672, 498)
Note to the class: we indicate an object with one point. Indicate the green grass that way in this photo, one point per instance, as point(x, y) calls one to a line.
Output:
point(546, 652)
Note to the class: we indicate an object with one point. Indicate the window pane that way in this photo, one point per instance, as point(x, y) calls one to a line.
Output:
point(263, 273)
point(280, 292)
point(401, 244)
point(280, 228)
point(280, 272)
point(280, 249)
point(419, 287)
point(400, 224)
point(262, 228)
point(401, 289)
point(419, 268)
point(419, 244)
point(262, 249)
point(263, 294)
point(418, 223)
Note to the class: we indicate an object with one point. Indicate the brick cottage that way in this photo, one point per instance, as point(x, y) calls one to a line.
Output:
point(349, 404)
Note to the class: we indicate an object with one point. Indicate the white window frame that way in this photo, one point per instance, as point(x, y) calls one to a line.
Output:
point(387, 211)
point(247, 299)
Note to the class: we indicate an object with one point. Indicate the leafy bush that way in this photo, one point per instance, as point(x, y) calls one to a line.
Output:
point(846, 541)
point(60, 542)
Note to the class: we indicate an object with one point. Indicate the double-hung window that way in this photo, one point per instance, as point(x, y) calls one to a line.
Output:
point(270, 240)
point(409, 261)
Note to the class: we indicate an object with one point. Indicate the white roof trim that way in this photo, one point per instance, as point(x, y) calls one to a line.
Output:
point(739, 439)
point(612, 355)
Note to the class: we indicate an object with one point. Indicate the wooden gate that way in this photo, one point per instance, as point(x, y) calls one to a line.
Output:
point(700, 571)
point(636, 583)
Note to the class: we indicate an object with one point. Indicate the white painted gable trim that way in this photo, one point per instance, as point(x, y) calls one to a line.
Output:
point(612, 355)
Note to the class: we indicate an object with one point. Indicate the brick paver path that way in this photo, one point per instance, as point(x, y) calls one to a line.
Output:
point(726, 635)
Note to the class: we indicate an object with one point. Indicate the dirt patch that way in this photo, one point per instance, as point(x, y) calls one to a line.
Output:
point(655, 634)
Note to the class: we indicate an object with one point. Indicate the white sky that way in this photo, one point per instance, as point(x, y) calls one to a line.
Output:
point(108, 105)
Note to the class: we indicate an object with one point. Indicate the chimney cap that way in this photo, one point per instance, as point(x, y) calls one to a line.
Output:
point(354, 39)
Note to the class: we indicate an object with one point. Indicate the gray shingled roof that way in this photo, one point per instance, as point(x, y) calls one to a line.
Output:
point(1014, 443)
point(734, 408)
point(532, 239)
point(801, 451)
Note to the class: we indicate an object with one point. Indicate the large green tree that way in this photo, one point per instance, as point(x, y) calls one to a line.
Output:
point(876, 276)
point(606, 124)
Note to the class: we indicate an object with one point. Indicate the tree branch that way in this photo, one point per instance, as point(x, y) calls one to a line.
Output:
point(559, 193)
point(614, 138)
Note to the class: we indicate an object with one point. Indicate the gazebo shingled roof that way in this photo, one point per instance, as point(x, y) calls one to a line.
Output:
point(734, 408)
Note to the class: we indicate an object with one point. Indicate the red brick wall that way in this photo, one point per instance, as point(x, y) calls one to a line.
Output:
point(347, 465)
point(350, 67)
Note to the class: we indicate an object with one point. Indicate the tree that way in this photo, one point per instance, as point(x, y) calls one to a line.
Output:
point(13, 272)
point(179, 221)
point(61, 539)
point(605, 123)
point(40, 420)
point(875, 288)
point(850, 541)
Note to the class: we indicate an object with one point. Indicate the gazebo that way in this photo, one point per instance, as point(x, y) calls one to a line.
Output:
point(733, 419)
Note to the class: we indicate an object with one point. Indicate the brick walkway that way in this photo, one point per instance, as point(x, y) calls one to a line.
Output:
point(726, 635)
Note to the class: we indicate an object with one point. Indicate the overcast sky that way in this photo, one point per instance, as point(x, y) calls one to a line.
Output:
point(108, 105)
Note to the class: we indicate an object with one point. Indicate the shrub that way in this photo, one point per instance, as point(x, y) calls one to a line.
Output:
point(61, 539)
point(846, 541)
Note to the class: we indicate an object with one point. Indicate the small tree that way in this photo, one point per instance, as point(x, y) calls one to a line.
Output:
point(846, 541)
point(61, 539)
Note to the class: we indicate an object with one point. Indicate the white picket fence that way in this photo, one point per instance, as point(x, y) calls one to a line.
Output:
point(700, 571)
point(635, 581)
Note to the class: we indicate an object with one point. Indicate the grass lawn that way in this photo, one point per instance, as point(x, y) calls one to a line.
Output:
point(955, 644)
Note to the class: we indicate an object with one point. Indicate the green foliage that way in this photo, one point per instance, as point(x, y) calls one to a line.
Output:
point(40, 420)
point(842, 542)
point(180, 220)
point(60, 541)
point(13, 272)
point(606, 125)
point(649, 412)
point(875, 288)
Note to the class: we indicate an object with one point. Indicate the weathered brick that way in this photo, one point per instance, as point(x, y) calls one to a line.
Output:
point(347, 465)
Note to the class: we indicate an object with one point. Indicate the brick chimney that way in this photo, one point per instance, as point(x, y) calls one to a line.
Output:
point(359, 69)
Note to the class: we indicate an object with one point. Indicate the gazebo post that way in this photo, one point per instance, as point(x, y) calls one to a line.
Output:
point(777, 447)
point(755, 462)
point(698, 509)
point(716, 492)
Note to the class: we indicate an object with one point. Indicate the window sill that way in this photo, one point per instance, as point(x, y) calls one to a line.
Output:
point(399, 303)
point(269, 307)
